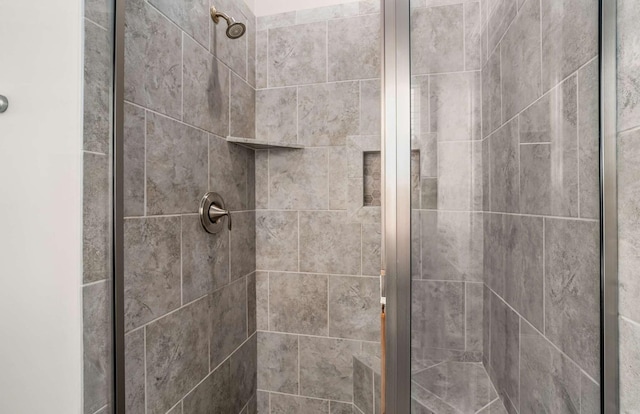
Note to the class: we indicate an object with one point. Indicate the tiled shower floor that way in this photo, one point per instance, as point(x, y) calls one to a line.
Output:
point(456, 388)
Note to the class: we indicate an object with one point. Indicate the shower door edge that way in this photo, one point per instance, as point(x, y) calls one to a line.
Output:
point(608, 209)
point(397, 203)
point(118, 330)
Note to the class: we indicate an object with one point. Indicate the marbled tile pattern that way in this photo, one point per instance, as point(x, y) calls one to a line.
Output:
point(191, 297)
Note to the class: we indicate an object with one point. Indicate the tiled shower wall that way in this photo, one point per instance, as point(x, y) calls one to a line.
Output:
point(96, 290)
point(628, 202)
point(540, 180)
point(189, 296)
point(447, 199)
point(318, 246)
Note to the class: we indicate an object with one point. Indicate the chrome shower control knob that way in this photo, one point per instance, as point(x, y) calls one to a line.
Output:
point(213, 212)
point(4, 103)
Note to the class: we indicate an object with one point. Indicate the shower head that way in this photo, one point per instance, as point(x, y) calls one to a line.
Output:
point(235, 29)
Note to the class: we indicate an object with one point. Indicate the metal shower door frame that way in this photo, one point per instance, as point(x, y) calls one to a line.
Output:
point(396, 206)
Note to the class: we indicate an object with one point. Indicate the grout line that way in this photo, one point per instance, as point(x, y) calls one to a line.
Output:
point(298, 341)
point(146, 201)
point(544, 277)
point(144, 336)
point(181, 262)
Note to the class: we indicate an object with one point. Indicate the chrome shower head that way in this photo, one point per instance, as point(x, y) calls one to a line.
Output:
point(235, 29)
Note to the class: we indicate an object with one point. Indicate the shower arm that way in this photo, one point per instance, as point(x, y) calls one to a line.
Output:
point(216, 15)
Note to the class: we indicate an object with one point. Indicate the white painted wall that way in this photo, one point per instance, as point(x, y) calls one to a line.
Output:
point(267, 7)
point(41, 207)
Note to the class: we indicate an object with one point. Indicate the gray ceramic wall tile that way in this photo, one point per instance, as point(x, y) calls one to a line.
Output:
point(326, 367)
point(454, 175)
point(454, 106)
point(151, 268)
point(263, 402)
point(472, 36)
point(192, 16)
point(520, 56)
point(491, 95)
point(437, 39)
point(134, 367)
point(588, 140)
point(628, 223)
point(514, 263)
point(340, 408)
point(362, 386)
point(354, 48)
point(549, 173)
point(370, 114)
point(501, 14)
point(206, 90)
point(628, 65)
point(327, 13)
point(298, 303)
point(176, 166)
point(420, 123)
point(371, 249)
point(276, 111)
point(261, 160)
point(473, 314)
point(153, 60)
point(276, 20)
point(96, 213)
point(572, 284)
point(278, 362)
point(338, 178)
point(230, 173)
point(242, 118)
point(252, 304)
point(550, 382)
point(99, 11)
point(504, 169)
point(629, 366)
point(569, 37)
point(429, 193)
point(505, 346)
point(284, 404)
point(177, 355)
point(134, 156)
point(297, 55)
point(228, 316)
point(243, 244)
point(277, 240)
point(328, 113)
point(251, 49)
point(325, 236)
point(354, 307)
point(486, 327)
point(233, 52)
point(243, 378)
point(98, 63)
point(437, 310)
point(262, 59)
point(211, 395)
point(97, 364)
point(205, 259)
point(453, 250)
point(262, 301)
point(298, 179)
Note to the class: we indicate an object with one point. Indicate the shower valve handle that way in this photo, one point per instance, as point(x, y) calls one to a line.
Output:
point(216, 213)
point(213, 212)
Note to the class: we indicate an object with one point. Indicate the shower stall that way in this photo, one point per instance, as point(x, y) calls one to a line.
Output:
point(363, 207)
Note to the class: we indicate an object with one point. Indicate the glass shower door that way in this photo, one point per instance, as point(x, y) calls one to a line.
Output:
point(504, 182)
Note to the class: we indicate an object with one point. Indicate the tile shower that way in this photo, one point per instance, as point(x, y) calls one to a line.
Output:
point(281, 315)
